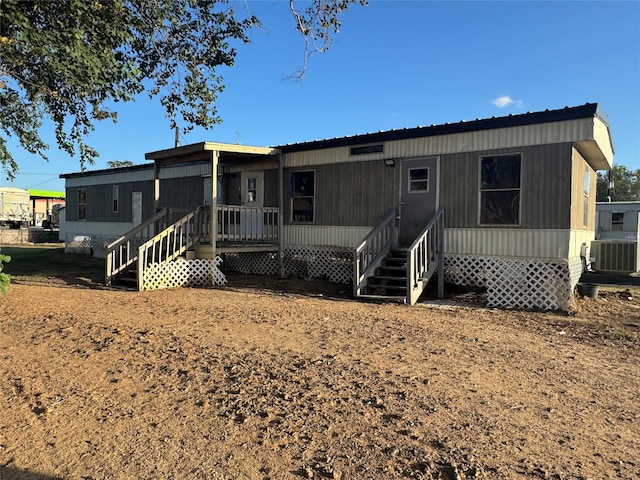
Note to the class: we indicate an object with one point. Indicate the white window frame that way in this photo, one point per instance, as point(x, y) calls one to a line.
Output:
point(617, 226)
point(485, 190)
point(412, 182)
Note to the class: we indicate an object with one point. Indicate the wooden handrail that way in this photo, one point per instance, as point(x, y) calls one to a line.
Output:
point(122, 252)
point(424, 256)
point(374, 247)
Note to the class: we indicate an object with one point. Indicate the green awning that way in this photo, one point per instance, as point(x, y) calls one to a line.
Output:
point(46, 194)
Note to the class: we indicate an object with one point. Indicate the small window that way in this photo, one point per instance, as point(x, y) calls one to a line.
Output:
point(585, 204)
point(82, 204)
point(418, 180)
point(500, 190)
point(303, 197)
point(367, 149)
point(115, 198)
point(617, 221)
point(252, 189)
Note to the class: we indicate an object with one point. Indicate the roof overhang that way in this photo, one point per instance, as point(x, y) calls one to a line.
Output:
point(203, 152)
point(598, 147)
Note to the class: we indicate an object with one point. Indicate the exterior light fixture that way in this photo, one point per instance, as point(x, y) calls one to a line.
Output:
point(390, 162)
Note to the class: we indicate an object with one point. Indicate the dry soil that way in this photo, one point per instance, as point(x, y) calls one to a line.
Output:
point(269, 379)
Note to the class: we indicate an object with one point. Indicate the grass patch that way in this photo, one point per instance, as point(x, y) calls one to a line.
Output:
point(41, 262)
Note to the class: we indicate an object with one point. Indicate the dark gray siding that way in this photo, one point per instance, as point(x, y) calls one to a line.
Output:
point(271, 188)
point(100, 202)
point(354, 194)
point(184, 193)
point(545, 196)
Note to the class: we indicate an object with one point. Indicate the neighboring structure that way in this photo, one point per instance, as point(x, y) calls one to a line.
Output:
point(14, 207)
point(518, 193)
point(615, 248)
point(42, 203)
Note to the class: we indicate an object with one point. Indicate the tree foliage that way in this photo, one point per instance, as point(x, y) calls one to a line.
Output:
point(4, 278)
point(119, 163)
point(72, 61)
point(626, 185)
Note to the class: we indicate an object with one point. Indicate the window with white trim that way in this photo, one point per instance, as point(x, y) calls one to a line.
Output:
point(585, 204)
point(303, 197)
point(418, 180)
point(500, 189)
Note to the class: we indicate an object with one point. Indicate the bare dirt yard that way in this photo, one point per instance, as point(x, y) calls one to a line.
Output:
point(273, 379)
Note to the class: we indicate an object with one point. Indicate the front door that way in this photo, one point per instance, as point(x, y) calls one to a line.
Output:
point(418, 197)
point(252, 195)
point(136, 208)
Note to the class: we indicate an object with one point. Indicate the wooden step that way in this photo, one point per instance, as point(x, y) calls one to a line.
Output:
point(384, 298)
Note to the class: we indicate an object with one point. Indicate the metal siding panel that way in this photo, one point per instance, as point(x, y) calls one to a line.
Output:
point(335, 236)
point(508, 242)
point(501, 138)
point(271, 188)
point(355, 194)
point(186, 192)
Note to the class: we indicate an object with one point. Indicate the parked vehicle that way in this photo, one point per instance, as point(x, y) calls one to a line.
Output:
point(14, 207)
point(53, 219)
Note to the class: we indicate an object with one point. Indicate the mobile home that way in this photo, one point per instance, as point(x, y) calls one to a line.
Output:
point(504, 203)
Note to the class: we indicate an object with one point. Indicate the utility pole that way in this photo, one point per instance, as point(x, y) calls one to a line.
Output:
point(177, 137)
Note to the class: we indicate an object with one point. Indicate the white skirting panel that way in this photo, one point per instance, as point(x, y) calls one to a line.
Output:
point(347, 237)
point(508, 242)
point(98, 228)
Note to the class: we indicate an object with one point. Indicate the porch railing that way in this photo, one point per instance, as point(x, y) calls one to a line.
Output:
point(370, 253)
point(123, 252)
point(247, 224)
point(173, 241)
point(424, 256)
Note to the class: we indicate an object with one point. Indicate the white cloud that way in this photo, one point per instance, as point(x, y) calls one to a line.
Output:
point(506, 100)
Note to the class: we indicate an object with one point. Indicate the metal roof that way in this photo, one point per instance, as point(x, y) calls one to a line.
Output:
point(529, 118)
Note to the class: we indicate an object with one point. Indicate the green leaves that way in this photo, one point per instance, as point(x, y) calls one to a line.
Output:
point(65, 60)
point(626, 185)
point(4, 278)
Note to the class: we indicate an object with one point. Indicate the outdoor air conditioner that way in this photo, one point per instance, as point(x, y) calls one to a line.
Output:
point(615, 257)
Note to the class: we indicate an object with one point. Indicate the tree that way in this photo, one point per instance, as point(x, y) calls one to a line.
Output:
point(626, 185)
point(119, 163)
point(71, 60)
point(4, 278)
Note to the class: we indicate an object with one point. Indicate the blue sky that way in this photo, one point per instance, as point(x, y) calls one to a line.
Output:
point(398, 64)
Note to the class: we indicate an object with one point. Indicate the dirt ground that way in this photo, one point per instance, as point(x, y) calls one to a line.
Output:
point(270, 379)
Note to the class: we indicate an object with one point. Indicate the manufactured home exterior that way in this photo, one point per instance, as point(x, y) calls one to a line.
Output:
point(514, 197)
point(615, 248)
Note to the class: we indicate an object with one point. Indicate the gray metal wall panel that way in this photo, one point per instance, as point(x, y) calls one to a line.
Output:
point(100, 201)
point(355, 194)
point(545, 196)
point(271, 188)
point(186, 192)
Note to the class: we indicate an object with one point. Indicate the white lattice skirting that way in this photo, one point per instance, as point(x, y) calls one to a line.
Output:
point(333, 263)
point(87, 244)
point(516, 282)
point(182, 273)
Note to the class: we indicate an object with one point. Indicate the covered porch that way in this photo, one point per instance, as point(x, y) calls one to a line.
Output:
point(237, 211)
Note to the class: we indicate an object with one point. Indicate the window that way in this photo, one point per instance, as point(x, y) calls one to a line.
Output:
point(500, 190)
point(585, 205)
point(418, 180)
point(367, 149)
point(82, 204)
point(252, 189)
point(302, 197)
point(617, 221)
point(115, 198)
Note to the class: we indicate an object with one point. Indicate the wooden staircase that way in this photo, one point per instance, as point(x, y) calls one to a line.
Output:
point(389, 281)
point(384, 272)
